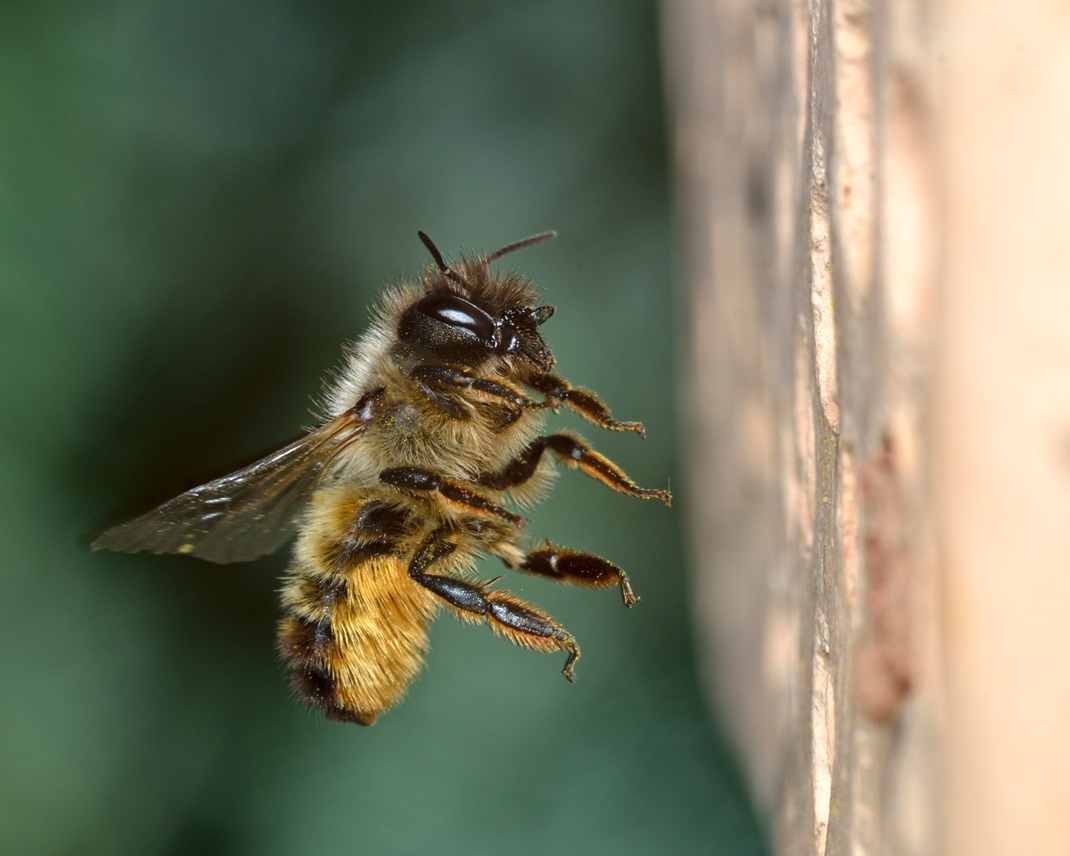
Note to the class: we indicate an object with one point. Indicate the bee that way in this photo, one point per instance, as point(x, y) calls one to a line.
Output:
point(432, 427)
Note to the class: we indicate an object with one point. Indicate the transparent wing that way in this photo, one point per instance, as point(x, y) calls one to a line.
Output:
point(244, 515)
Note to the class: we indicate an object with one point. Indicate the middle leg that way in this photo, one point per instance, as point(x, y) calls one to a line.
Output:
point(572, 452)
point(556, 563)
point(573, 566)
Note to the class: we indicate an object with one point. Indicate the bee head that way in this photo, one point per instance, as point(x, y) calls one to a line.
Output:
point(451, 328)
point(471, 327)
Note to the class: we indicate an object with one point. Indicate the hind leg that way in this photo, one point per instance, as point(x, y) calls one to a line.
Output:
point(507, 615)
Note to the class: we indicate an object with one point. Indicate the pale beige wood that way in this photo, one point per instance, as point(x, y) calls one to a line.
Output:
point(873, 204)
point(808, 169)
point(1003, 424)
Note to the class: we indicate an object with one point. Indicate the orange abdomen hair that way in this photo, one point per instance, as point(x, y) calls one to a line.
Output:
point(355, 629)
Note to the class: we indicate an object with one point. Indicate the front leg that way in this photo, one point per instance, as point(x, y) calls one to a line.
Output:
point(572, 452)
point(441, 383)
point(507, 616)
point(559, 391)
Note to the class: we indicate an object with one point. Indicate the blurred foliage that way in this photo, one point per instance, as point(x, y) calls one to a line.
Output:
point(198, 202)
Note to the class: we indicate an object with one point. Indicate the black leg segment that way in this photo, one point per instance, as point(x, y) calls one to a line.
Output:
point(455, 493)
point(436, 379)
point(585, 569)
point(509, 617)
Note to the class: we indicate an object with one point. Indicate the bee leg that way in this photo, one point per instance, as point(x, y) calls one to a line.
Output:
point(572, 452)
point(455, 493)
point(507, 616)
point(573, 566)
point(559, 391)
point(438, 382)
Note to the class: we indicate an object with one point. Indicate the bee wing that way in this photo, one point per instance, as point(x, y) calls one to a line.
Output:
point(240, 516)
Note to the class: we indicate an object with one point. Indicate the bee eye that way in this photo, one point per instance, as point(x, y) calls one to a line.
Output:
point(445, 326)
point(458, 313)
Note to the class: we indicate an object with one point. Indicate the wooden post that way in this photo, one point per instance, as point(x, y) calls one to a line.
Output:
point(872, 203)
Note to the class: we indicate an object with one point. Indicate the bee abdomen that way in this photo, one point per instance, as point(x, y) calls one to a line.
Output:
point(354, 633)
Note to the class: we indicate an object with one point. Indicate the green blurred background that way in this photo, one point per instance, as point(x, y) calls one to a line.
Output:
point(198, 202)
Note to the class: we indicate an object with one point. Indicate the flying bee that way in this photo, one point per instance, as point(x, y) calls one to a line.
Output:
point(432, 427)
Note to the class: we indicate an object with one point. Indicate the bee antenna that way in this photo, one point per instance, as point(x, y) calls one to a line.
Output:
point(521, 244)
point(437, 256)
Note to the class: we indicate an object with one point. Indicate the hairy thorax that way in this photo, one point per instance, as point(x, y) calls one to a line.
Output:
point(479, 435)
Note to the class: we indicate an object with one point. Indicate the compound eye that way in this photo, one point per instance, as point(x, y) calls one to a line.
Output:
point(458, 313)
